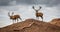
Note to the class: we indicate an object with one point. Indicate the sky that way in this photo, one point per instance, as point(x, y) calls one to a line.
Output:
point(50, 9)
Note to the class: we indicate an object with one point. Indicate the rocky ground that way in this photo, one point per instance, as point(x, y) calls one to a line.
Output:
point(31, 25)
point(55, 21)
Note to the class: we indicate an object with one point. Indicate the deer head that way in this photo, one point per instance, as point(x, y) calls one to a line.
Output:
point(10, 15)
point(37, 9)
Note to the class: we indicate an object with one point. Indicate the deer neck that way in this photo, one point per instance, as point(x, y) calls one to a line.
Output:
point(36, 11)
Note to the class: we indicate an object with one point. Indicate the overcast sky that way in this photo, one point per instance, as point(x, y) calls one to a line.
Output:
point(50, 8)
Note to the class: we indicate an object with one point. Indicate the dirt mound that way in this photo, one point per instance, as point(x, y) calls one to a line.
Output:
point(31, 25)
point(56, 21)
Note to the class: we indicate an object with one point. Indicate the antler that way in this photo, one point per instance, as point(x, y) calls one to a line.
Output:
point(36, 9)
point(39, 8)
point(12, 13)
point(33, 7)
point(8, 13)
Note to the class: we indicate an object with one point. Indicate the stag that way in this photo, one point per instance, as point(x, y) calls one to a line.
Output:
point(38, 14)
point(14, 17)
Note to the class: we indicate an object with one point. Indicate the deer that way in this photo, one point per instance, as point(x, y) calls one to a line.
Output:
point(14, 17)
point(38, 14)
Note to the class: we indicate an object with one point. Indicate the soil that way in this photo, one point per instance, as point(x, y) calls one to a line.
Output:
point(31, 25)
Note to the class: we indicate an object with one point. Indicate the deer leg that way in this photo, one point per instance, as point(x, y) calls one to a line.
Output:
point(13, 21)
point(42, 18)
point(37, 17)
point(20, 19)
point(17, 20)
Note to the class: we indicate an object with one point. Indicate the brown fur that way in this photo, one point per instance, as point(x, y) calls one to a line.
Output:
point(14, 17)
point(38, 14)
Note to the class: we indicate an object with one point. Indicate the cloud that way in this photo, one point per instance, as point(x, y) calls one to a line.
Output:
point(27, 10)
point(29, 2)
point(4, 2)
point(50, 8)
point(37, 2)
point(7, 2)
point(12, 3)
